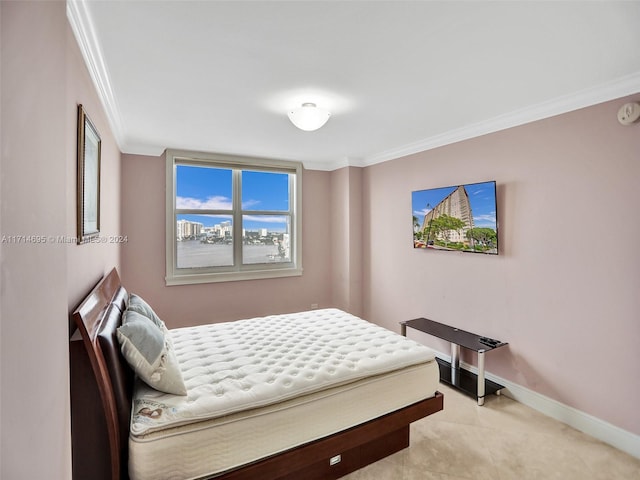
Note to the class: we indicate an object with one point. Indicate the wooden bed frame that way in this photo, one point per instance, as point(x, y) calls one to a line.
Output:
point(100, 421)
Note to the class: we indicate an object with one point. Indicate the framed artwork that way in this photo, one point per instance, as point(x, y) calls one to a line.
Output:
point(459, 218)
point(88, 199)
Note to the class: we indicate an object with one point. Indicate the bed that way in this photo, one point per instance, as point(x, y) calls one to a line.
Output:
point(293, 407)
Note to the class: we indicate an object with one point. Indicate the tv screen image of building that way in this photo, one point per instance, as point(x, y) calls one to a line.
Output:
point(459, 218)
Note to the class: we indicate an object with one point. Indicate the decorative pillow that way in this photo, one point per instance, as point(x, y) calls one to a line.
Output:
point(150, 353)
point(137, 304)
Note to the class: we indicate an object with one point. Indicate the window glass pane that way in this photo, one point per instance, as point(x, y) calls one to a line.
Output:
point(231, 218)
point(266, 239)
point(204, 241)
point(203, 188)
point(265, 191)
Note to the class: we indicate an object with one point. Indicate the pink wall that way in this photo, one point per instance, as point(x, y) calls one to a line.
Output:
point(346, 239)
point(87, 263)
point(43, 77)
point(143, 265)
point(563, 291)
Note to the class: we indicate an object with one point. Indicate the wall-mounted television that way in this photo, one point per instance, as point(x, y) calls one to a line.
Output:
point(460, 218)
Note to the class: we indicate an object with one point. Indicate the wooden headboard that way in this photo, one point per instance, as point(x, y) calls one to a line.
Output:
point(97, 319)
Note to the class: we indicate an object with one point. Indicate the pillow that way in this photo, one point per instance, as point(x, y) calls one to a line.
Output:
point(150, 353)
point(137, 304)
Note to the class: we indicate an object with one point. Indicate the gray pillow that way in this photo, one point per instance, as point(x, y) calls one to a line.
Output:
point(137, 304)
point(149, 351)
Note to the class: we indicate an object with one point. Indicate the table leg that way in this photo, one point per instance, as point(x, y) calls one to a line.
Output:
point(481, 377)
point(455, 363)
point(403, 329)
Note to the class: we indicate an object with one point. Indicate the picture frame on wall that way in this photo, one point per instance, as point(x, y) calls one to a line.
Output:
point(458, 218)
point(88, 195)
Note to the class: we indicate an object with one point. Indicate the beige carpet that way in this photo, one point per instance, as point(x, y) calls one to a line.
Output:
point(502, 440)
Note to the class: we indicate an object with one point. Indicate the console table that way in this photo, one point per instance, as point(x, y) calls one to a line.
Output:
point(450, 372)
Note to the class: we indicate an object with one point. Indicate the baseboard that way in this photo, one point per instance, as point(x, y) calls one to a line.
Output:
point(597, 428)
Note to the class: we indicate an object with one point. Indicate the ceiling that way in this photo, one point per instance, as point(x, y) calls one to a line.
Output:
point(398, 77)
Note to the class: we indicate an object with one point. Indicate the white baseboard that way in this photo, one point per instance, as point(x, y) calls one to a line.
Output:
point(597, 428)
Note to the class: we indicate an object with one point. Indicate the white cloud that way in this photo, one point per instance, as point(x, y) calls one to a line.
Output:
point(266, 218)
point(212, 203)
point(218, 202)
point(487, 219)
point(250, 203)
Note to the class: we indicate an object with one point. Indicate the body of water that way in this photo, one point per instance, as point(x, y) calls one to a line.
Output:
point(193, 254)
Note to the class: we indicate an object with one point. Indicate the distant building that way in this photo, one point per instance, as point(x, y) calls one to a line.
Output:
point(457, 205)
point(226, 230)
point(188, 230)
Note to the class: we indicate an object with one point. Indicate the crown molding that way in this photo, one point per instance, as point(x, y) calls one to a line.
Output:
point(84, 32)
point(328, 165)
point(621, 87)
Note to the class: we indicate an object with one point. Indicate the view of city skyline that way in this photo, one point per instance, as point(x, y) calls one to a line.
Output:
point(211, 188)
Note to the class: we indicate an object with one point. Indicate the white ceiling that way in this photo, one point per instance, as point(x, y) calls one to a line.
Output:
point(398, 76)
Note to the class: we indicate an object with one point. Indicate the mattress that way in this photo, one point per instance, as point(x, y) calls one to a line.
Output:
point(261, 386)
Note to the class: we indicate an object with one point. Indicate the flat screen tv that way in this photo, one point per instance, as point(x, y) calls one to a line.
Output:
point(460, 218)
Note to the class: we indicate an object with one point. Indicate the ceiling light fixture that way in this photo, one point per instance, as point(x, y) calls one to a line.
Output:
point(308, 117)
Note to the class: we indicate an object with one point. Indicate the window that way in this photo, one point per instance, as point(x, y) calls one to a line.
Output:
point(231, 218)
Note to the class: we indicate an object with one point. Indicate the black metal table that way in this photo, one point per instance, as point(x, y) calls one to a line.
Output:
point(450, 372)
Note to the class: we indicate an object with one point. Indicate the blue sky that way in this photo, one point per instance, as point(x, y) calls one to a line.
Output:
point(205, 188)
point(481, 196)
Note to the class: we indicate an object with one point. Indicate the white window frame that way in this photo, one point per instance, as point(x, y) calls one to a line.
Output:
point(184, 276)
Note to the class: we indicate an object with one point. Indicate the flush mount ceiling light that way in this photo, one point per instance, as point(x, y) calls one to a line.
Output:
point(308, 117)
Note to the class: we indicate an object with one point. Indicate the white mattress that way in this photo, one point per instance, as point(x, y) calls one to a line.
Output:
point(261, 386)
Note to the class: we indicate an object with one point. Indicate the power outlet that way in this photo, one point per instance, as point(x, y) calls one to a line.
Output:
point(314, 306)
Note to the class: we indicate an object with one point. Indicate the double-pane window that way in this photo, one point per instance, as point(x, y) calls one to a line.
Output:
point(231, 219)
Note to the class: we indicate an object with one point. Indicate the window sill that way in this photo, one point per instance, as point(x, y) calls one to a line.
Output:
point(192, 279)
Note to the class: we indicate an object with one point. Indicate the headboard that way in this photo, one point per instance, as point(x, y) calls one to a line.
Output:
point(97, 319)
